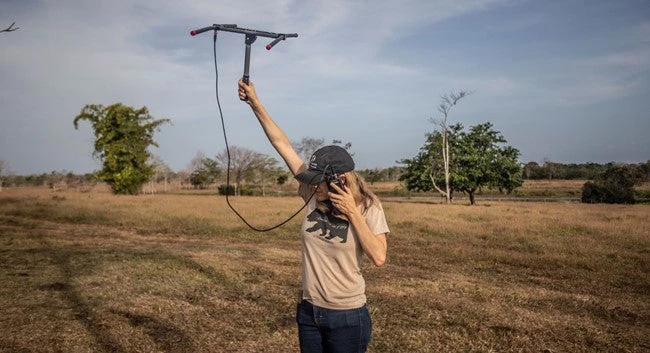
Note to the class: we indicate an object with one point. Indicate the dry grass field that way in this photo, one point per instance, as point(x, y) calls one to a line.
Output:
point(94, 272)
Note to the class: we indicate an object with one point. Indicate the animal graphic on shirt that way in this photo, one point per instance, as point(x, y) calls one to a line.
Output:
point(327, 222)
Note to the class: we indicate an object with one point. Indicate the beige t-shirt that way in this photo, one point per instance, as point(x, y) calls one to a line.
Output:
point(332, 255)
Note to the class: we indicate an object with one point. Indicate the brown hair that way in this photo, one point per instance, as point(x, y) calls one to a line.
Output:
point(360, 190)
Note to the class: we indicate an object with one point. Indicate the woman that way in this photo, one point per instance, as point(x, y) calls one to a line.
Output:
point(344, 221)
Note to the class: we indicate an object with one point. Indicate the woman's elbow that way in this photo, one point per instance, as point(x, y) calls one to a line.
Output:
point(379, 261)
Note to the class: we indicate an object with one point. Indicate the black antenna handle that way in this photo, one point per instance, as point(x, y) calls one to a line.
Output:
point(250, 39)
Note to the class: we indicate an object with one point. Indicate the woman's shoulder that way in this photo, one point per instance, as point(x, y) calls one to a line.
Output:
point(374, 208)
point(305, 191)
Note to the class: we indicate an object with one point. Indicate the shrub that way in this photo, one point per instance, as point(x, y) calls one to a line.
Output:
point(223, 189)
point(615, 185)
point(247, 191)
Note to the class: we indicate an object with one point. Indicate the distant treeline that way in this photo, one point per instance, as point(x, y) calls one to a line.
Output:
point(530, 170)
point(50, 180)
point(585, 171)
point(381, 174)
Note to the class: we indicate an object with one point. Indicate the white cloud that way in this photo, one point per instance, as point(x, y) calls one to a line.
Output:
point(592, 90)
point(630, 61)
point(600, 78)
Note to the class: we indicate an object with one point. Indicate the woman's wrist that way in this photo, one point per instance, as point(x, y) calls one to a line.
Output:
point(356, 215)
point(255, 103)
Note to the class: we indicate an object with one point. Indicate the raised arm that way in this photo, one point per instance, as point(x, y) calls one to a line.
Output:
point(276, 136)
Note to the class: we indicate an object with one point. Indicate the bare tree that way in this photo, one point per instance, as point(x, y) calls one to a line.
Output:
point(9, 29)
point(448, 102)
point(161, 173)
point(347, 146)
point(241, 160)
point(307, 146)
point(196, 162)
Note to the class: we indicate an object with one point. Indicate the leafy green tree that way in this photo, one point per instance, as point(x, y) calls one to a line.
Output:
point(415, 176)
point(427, 171)
point(122, 136)
point(480, 161)
point(477, 159)
point(264, 171)
point(205, 174)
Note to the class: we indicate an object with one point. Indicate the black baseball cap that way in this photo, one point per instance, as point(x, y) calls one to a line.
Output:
point(326, 160)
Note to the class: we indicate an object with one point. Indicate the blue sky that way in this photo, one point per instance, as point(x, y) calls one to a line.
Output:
point(566, 81)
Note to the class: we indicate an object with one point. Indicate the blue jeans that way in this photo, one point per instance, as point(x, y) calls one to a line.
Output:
point(323, 330)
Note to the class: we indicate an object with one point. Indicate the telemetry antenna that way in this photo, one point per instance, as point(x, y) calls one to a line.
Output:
point(251, 36)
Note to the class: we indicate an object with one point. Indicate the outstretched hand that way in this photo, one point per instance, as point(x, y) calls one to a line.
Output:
point(247, 92)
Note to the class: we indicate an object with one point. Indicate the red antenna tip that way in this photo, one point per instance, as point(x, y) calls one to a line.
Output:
point(193, 33)
point(268, 47)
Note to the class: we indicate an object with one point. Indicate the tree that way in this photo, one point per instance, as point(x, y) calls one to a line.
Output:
point(264, 171)
point(448, 102)
point(205, 174)
point(9, 29)
point(476, 160)
point(427, 170)
point(196, 162)
point(480, 162)
point(373, 175)
point(161, 172)
point(122, 136)
point(347, 146)
point(532, 170)
point(552, 169)
point(307, 146)
point(415, 175)
point(242, 160)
